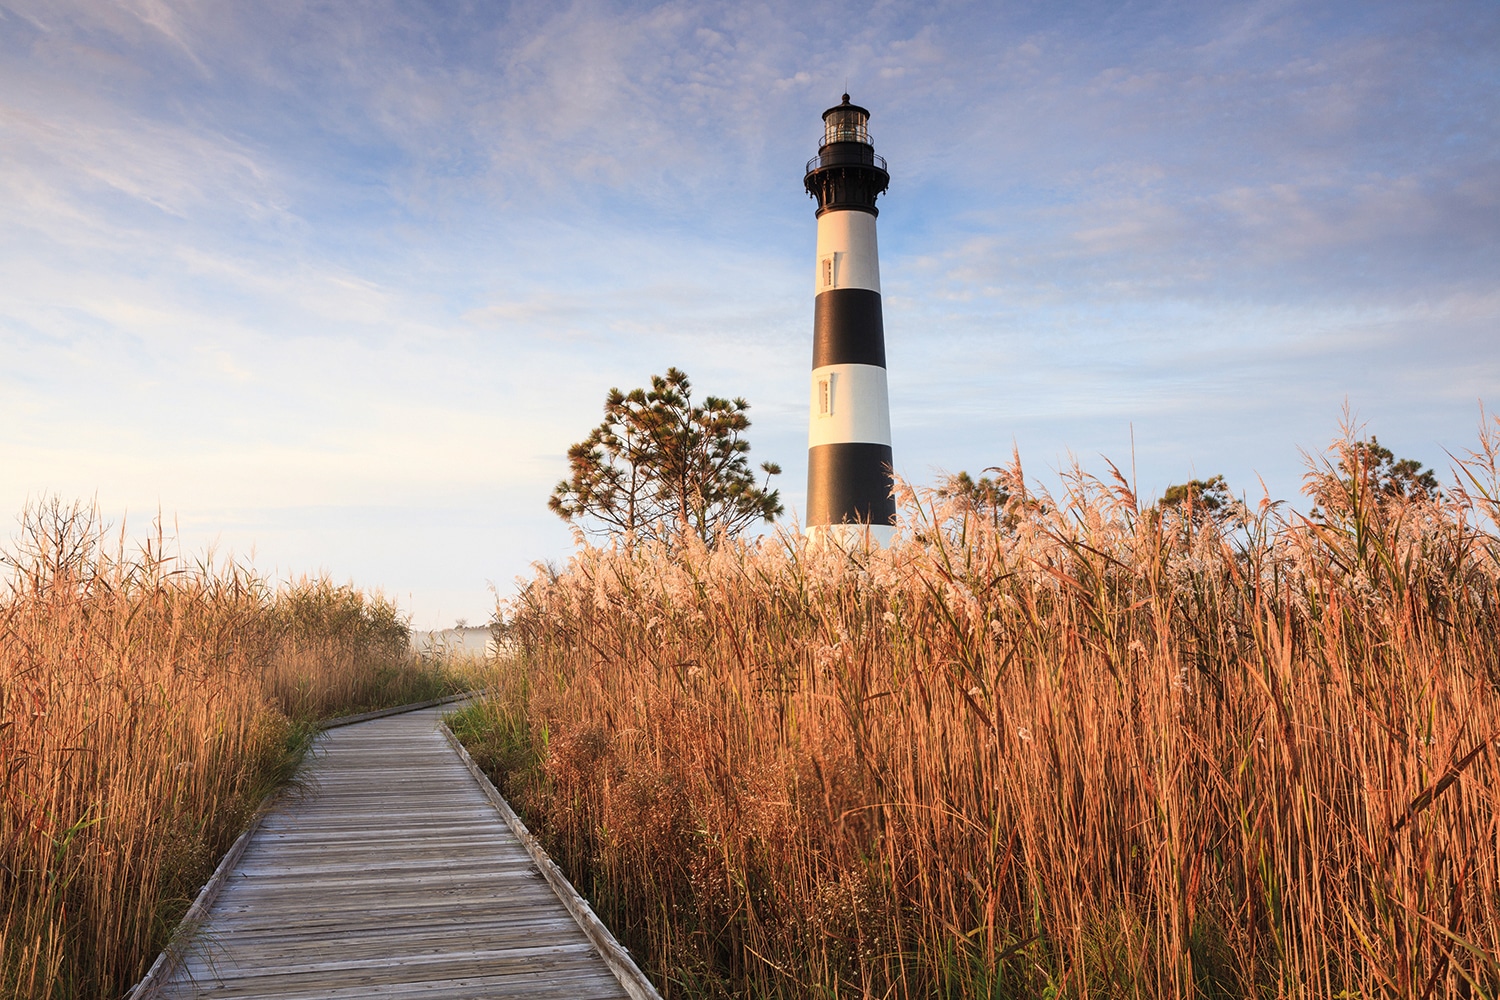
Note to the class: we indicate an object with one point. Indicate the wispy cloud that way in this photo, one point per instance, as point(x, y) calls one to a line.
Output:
point(281, 259)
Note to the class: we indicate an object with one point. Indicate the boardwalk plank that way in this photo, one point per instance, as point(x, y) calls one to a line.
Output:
point(388, 874)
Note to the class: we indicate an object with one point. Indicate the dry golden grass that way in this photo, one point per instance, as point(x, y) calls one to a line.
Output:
point(146, 706)
point(1091, 750)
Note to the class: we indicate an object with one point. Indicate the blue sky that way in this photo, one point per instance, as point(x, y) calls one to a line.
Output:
point(335, 285)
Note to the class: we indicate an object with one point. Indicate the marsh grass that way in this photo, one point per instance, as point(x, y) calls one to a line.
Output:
point(148, 703)
point(1088, 749)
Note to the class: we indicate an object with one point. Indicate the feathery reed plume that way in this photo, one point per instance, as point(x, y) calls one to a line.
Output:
point(1084, 749)
point(147, 704)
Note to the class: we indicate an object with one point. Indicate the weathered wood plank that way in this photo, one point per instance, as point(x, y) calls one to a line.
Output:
point(389, 874)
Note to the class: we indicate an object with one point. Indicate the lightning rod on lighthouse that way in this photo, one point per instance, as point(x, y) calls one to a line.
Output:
point(849, 430)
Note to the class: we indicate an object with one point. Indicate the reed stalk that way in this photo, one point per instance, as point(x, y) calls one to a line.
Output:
point(147, 704)
point(1092, 748)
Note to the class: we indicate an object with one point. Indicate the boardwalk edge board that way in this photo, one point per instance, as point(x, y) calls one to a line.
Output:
point(615, 955)
point(182, 938)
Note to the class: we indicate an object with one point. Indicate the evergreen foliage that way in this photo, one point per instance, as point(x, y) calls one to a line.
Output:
point(662, 468)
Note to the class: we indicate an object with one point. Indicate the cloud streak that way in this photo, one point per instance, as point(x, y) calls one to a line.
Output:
point(278, 260)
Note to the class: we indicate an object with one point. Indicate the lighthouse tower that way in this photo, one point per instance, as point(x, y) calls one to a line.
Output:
point(849, 432)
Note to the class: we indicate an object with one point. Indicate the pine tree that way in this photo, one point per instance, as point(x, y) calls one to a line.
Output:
point(661, 467)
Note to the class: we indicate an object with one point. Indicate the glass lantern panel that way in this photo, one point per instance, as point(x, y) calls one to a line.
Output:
point(846, 125)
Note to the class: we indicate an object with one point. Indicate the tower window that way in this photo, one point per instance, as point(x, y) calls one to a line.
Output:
point(830, 270)
point(825, 395)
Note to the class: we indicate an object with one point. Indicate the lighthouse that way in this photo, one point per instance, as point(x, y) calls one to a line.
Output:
point(849, 429)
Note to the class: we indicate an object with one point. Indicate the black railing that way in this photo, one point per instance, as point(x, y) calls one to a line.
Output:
point(849, 158)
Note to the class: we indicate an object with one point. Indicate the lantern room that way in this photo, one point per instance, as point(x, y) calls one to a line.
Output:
point(846, 123)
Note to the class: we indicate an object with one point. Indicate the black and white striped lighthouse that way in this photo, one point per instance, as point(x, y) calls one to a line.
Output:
point(849, 431)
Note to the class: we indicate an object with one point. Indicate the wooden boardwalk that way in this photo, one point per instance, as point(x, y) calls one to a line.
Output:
point(394, 874)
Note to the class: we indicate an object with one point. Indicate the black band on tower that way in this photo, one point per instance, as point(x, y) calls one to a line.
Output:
point(848, 328)
point(850, 483)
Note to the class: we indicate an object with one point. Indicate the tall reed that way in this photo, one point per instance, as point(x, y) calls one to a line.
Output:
point(147, 703)
point(1088, 748)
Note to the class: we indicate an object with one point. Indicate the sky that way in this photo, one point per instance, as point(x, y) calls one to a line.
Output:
point(333, 286)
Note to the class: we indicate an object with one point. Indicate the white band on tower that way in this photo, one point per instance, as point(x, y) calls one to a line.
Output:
point(847, 254)
point(849, 403)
